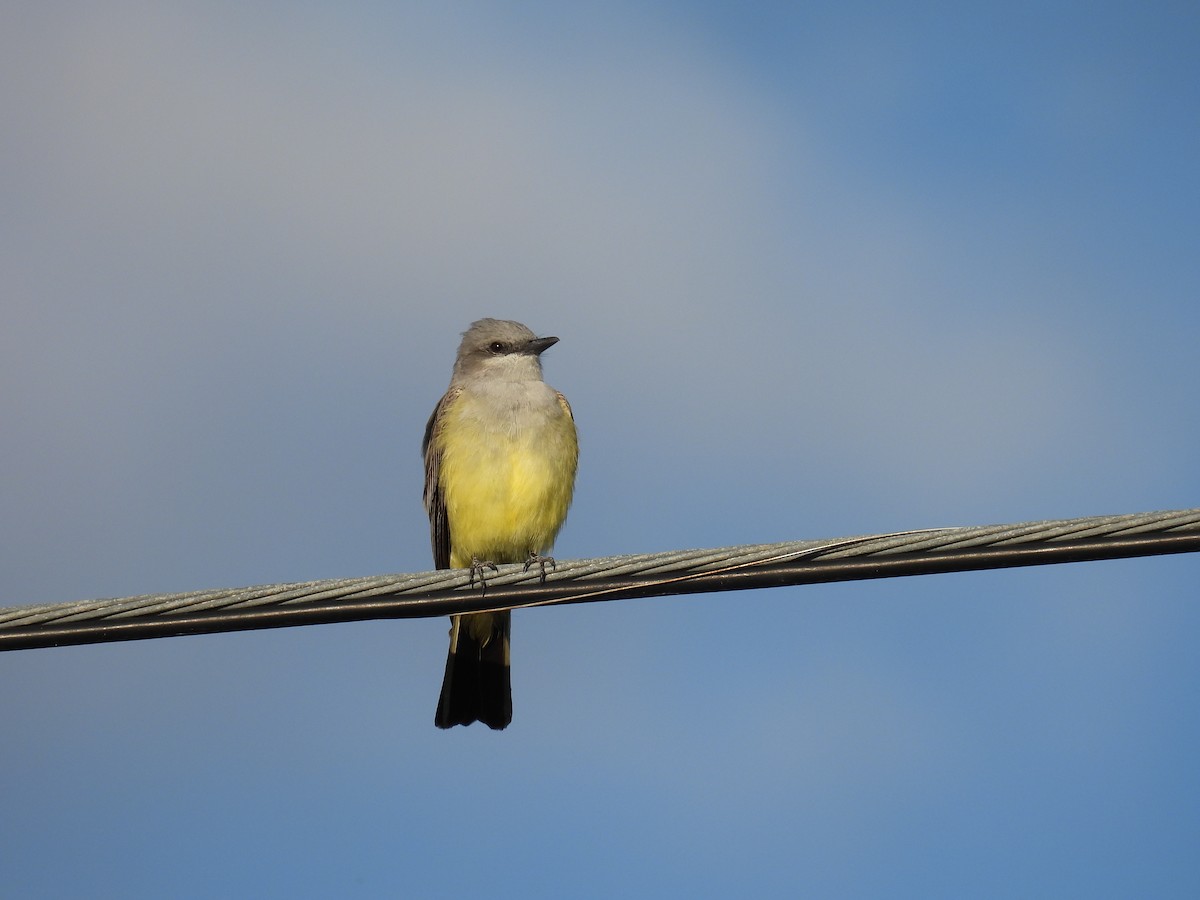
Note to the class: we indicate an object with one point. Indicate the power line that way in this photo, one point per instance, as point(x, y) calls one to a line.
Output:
point(921, 552)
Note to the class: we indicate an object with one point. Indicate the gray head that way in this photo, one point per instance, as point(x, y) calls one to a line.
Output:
point(500, 349)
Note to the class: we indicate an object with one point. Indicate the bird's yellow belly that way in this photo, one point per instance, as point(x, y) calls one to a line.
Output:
point(506, 490)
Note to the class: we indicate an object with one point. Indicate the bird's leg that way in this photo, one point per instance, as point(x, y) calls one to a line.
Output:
point(477, 568)
point(540, 562)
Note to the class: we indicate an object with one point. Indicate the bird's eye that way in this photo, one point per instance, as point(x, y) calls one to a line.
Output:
point(496, 346)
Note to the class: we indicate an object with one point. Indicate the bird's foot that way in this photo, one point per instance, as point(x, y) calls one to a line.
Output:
point(477, 568)
point(540, 562)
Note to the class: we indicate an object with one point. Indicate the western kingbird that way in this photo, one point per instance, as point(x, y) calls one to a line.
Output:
point(500, 455)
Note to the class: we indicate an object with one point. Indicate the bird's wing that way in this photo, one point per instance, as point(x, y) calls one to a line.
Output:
point(562, 401)
point(435, 500)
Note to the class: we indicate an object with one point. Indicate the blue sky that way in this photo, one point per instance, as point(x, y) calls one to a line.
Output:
point(816, 272)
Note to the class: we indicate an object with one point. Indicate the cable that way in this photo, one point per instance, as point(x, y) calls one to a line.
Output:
point(920, 552)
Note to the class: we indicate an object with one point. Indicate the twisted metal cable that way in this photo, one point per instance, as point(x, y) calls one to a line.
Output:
point(925, 551)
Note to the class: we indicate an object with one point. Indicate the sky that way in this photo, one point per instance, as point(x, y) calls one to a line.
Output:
point(817, 269)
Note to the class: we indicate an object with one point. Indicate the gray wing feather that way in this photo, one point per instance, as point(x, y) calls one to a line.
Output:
point(435, 502)
point(562, 401)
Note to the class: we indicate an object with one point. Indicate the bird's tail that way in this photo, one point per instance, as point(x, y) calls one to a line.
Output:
point(477, 686)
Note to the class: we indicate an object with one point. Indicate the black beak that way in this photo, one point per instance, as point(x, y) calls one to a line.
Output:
point(538, 345)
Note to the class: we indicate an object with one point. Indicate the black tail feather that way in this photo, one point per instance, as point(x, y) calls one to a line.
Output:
point(477, 686)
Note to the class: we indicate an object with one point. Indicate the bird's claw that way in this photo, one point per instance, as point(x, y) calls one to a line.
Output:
point(540, 562)
point(477, 567)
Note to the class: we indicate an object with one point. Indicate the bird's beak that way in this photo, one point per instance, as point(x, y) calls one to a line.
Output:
point(538, 345)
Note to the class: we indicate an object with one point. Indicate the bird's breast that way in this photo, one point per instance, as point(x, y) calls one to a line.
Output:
point(508, 458)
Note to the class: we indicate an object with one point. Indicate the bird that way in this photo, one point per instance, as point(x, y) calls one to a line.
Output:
point(501, 451)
